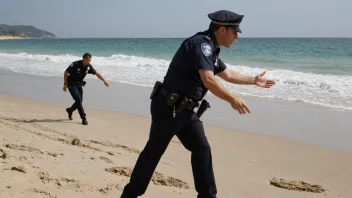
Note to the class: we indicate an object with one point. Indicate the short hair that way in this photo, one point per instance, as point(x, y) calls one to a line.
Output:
point(215, 27)
point(85, 55)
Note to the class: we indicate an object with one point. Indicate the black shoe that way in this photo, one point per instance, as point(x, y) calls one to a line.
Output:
point(85, 122)
point(69, 113)
point(126, 195)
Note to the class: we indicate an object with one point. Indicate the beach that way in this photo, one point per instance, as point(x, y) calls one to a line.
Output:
point(293, 140)
point(11, 37)
point(43, 154)
point(296, 142)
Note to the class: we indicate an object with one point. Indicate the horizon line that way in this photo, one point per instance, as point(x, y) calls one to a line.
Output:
point(182, 37)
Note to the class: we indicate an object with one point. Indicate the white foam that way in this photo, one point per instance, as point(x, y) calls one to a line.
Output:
point(327, 90)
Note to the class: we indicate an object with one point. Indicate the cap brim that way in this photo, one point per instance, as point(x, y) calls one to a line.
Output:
point(237, 28)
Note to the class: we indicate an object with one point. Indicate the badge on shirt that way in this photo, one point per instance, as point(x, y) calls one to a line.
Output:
point(206, 49)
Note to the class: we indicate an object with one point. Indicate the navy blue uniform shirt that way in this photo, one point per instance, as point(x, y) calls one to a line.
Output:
point(78, 72)
point(200, 51)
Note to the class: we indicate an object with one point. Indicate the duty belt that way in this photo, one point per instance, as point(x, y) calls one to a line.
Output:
point(177, 101)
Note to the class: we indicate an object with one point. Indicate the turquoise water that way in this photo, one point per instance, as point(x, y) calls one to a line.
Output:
point(312, 70)
point(317, 55)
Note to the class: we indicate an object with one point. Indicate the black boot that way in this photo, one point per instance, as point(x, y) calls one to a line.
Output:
point(126, 195)
point(84, 121)
point(69, 113)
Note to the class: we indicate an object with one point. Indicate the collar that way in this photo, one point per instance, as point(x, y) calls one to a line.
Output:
point(81, 64)
point(215, 42)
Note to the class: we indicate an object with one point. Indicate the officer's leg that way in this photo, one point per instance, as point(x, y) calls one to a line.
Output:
point(80, 105)
point(193, 138)
point(75, 93)
point(160, 136)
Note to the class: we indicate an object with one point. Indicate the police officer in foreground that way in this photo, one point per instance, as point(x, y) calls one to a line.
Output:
point(73, 80)
point(191, 73)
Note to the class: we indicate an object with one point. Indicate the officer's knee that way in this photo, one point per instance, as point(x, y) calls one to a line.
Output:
point(78, 101)
point(156, 148)
point(203, 147)
point(201, 154)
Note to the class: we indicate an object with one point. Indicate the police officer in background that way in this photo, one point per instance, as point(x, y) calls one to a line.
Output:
point(190, 75)
point(73, 80)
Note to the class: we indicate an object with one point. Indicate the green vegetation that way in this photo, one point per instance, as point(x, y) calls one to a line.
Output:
point(24, 31)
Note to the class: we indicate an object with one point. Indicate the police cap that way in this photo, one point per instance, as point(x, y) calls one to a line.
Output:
point(228, 18)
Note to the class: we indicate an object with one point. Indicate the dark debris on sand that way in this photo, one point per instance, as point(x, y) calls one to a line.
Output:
point(297, 185)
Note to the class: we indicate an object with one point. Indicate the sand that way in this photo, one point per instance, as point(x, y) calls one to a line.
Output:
point(43, 154)
point(11, 37)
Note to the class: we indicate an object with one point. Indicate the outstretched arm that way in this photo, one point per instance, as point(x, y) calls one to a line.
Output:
point(237, 78)
point(215, 86)
point(102, 78)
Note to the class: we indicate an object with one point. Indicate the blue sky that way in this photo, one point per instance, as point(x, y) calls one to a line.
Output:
point(180, 18)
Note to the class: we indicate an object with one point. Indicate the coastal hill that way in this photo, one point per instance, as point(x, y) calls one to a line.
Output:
point(24, 31)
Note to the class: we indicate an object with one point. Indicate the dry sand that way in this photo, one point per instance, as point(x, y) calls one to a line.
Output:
point(43, 154)
point(11, 37)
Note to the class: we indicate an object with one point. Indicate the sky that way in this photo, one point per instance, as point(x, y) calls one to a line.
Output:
point(178, 18)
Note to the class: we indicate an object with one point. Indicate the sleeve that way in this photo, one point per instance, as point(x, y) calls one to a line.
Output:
point(91, 70)
point(202, 56)
point(70, 68)
point(221, 67)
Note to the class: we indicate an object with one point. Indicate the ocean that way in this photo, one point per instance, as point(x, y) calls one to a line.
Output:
point(309, 70)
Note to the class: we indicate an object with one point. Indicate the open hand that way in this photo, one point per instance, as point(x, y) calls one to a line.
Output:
point(106, 83)
point(240, 106)
point(260, 81)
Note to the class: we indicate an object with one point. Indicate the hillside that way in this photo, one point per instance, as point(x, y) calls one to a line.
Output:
point(24, 31)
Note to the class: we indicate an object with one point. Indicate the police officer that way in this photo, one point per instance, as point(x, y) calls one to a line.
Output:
point(73, 80)
point(190, 75)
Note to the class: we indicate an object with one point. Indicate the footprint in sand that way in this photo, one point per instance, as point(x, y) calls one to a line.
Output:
point(297, 185)
point(3, 154)
point(45, 178)
point(76, 142)
point(21, 169)
point(43, 192)
point(52, 154)
point(72, 183)
point(24, 148)
point(107, 160)
point(157, 178)
point(109, 144)
point(22, 159)
point(109, 188)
